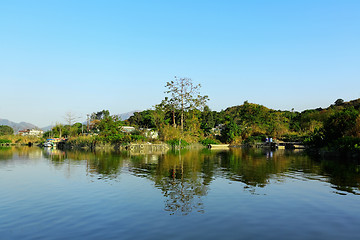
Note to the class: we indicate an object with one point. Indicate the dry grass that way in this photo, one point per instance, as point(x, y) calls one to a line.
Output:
point(16, 139)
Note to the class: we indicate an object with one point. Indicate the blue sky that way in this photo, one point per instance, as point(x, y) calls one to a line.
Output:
point(85, 56)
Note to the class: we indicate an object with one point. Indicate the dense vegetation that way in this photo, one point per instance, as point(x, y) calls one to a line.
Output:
point(184, 117)
point(6, 130)
point(336, 127)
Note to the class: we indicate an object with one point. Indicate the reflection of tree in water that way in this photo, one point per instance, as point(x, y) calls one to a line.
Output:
point(184, 179)
point(250, 167)
point(6, 153)
point(182, 196)
point(179, 178)
point(183, 193)
point(23, 152)
point(56, 156)
point(100, 165)
point(343, 175)
point(255, 168)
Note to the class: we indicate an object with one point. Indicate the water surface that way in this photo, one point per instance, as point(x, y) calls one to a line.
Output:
point(237, 194)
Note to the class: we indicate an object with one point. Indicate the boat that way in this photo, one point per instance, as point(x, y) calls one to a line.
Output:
point(48, 144)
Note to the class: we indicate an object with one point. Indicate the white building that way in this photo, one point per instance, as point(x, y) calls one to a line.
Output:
point(31, 132)
point(150, 133)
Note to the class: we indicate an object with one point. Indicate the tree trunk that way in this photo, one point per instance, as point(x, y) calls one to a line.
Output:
point(173, 115)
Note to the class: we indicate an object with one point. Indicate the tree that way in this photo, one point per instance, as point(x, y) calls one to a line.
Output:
point(70, 118)
point(100, 115)
point(230, 132)
point(6, 130)
point(207, 119)
point(339, 102)
point(144, 119)
point(167, 105)
point(342, 123)
point(185, 96)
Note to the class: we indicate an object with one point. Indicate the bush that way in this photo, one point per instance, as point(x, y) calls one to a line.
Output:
point(175, 142)
point(292, 138)
point(208, 141)
point(81, 141)
point(5, 141)
point(347, 144)
point(253, 139)
point(136, 138)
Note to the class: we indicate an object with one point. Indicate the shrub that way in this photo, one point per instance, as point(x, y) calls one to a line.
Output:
point(347, 144)
point(175, 142)
point(136, 138)
point(5, 141)
point(208, 141)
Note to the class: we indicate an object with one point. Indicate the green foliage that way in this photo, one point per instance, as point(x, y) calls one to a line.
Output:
point(82, 141)
point(138, 138)
point(207, 120)
point(293, 137)
point(5, 141)
point(100, 115)
point(254, 139)
point(230, 132)
point(185, 96)
point(6, 130)
point(144, 119)
point(340, 131)
point(184, 115)
point(208, 141)
point(347, 144)
point(58, 131)
point(339, 102)
point(316, 139)
point(340, 124)
point(175, 142)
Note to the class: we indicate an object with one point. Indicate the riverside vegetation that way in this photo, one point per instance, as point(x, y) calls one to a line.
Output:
point(184, 118)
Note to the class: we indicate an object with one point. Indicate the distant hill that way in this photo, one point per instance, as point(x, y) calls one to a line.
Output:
point(17, 126)
point(125, 116)
point(48, 128)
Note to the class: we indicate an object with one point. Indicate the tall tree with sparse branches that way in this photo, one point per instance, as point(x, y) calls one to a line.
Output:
point(185, 95)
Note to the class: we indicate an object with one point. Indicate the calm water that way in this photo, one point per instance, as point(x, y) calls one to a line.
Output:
point(237, 194)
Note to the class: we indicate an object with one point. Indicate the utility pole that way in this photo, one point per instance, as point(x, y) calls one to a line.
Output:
point(87, 122)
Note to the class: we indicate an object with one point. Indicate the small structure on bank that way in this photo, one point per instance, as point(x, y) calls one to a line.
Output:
point(31, 132)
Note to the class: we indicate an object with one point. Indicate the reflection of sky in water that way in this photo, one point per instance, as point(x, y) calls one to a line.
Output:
point(203, 195)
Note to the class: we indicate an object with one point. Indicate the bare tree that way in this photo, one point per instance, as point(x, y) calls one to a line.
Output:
point(70, 118)
point(185, 96)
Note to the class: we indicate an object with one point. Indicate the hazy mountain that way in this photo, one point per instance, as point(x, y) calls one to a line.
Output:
point(125, 116)
point(17, 126)
point(47, 128)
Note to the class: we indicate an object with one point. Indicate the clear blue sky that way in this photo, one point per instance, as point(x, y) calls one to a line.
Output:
point(84, 56)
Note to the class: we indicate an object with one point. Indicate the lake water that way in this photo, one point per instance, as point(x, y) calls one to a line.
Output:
point(236, 194)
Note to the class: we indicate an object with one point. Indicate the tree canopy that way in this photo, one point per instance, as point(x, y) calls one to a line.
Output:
point(6, 130)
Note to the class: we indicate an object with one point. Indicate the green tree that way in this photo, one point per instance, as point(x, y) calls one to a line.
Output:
point(341, 124)
point(339, 102)
point(230, 131)
point(6, 130)
point(59, 130)
point(100, 115)
point(207, 120)
point(144, 119)
point(167, 106)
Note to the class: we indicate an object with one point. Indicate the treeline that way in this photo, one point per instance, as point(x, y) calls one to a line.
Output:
point(337, 126)
point(184, 117)
point(101, 127)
